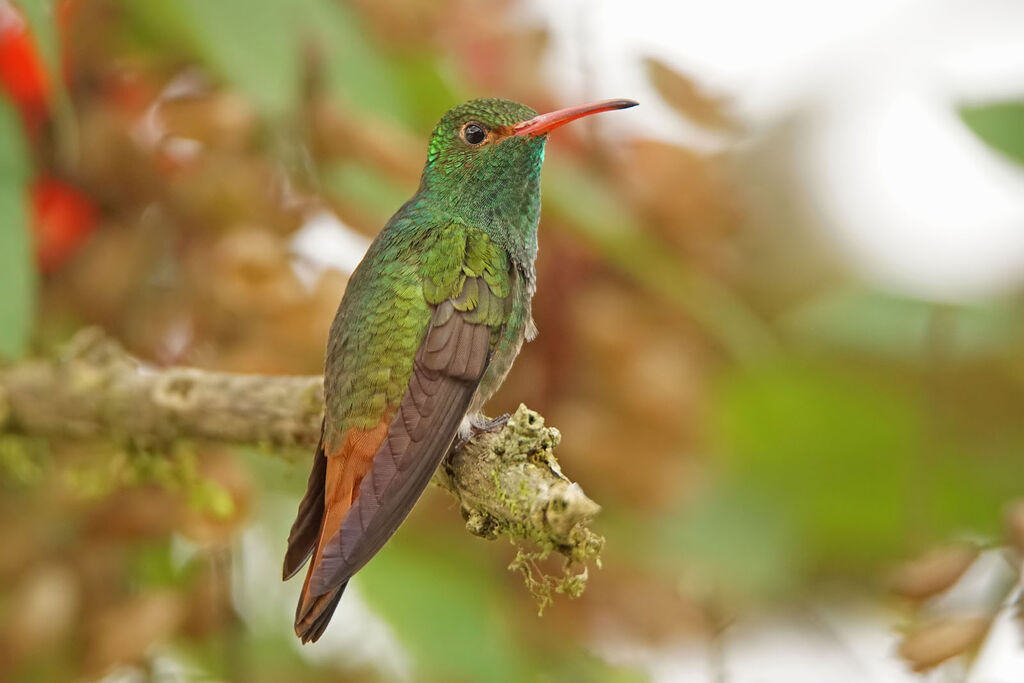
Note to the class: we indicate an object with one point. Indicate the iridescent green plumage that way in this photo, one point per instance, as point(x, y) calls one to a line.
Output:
point(429, 326)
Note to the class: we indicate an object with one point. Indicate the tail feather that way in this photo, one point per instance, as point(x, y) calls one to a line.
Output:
point(314, 613)
point(306, 528)
point(332, 486)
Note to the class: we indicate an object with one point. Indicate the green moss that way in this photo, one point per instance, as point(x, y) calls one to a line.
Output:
point(176, 469)
point(520, 457)
point(543, 586)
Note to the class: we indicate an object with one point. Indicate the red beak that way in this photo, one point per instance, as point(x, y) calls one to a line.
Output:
point(545, 123)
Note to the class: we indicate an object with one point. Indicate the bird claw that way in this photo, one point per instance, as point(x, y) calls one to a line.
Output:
point(482, 425)
point(478, 425)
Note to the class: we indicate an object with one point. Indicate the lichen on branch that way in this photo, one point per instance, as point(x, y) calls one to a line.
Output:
point(510, 484)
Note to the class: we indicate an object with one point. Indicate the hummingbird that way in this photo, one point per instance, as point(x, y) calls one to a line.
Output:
point(427, 329)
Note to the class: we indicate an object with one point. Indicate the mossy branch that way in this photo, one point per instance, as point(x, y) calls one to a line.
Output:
point(508, 482)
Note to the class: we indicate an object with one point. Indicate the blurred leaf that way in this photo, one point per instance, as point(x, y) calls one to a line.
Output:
point(260, 48)
point(835, 450)
point(447, 611)
point(365, 187)
point(427, 90)
point(686, 97)
point(999, 125)
point(972, 480)
point(253, 44)
point(40, 17)
point(875, 322)
point(735, 540)
point(855, 463)
point(258, 55)
point(356, 68)
point(17, 267)
point(161, 26)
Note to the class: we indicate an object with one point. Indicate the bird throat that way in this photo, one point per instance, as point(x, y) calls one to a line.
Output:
point(497, 192)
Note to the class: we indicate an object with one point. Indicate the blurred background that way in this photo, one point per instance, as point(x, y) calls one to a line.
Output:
point(781, 327)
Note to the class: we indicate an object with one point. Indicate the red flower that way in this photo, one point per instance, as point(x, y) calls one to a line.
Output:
point(23, 75)
point(63, 218)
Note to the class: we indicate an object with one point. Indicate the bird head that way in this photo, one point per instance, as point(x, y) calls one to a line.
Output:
point(485, 156)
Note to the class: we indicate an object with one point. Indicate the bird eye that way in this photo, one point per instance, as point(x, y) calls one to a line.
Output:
point(474, 133)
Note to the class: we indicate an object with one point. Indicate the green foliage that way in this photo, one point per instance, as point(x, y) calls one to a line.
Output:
point(356, 70)
point(17, 268)
point(971, 479)
point(999, 125)
point(365, 187)
point(253, 44)
point(873, 322)
point(834, 453)
point(427, 88)
point(260, 47)
point(161, 26)
point(42, 19)
point(732, 541)
point(826, 469)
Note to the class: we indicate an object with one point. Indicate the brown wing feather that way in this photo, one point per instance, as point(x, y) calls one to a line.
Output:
point(446, 371)
point(344, 469)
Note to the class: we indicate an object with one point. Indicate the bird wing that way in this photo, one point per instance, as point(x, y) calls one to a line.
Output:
point(369, 484)
point(446, 371)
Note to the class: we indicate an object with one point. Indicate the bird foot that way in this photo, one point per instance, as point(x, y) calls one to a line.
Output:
point(481, 425)
point(477, 425)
